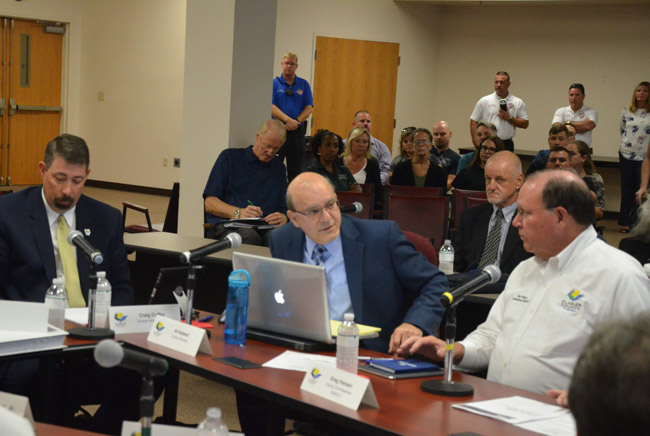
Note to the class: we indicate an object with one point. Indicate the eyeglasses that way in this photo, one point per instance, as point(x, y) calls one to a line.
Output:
point(422, 142)
point(290, 64)
point(314, 213)
point(490, 149)
point(523, 214)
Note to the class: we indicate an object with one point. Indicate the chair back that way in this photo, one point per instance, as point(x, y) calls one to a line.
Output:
point(423, 245)
point(171, 218)
point(459, 204)
point(426, 216)
point(470, 202)
point(346, 198)
point(414, 191)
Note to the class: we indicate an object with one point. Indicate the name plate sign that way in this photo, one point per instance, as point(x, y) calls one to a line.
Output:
point(139, 319)
point(340, 386)
point(18, 404)
point(130, 428)
point(179, 336)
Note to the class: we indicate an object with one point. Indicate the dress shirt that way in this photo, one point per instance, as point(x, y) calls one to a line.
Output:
point(487, 109)
point(52, 220)
point(564, 114)
point(538, 326)
point(508, 215)
point(338, 294)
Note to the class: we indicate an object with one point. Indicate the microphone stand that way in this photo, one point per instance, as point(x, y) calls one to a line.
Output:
point(447, 387)
point(147, 401)
point(190, 285)
point(90, 332)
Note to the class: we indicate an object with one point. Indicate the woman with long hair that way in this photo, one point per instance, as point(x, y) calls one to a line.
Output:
point(472, 177)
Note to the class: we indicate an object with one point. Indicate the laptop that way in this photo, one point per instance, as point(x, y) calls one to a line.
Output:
point(287, 302)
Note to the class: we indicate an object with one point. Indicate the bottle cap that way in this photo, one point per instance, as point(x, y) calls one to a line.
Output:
point(58, 280)
point(239, 278)
point(348, 317)
point(213, 412)
point(447, 241)
point(101, 274)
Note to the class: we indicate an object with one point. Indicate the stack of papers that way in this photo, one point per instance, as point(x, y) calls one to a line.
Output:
point(528, 414)
point(248, 223)
point(24, 328)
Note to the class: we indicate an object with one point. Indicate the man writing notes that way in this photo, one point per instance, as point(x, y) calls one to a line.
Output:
point(507, 117)
point(552, 302)
point(292, 103)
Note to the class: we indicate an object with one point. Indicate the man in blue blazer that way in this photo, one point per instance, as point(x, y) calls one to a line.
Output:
point(29, 260)
point(372, 270)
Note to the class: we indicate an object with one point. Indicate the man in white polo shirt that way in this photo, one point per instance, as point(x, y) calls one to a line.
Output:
point(583, 118)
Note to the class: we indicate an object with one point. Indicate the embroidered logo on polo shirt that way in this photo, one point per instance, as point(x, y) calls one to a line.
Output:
point(299, 91)
point(520, 298)
point(570, 303)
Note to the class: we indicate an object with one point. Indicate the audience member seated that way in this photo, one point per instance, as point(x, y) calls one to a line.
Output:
point(557, 137)
point(486, 234)
point(249, 183)
point(638, 244)
point(405, 147)
point(484, 129)
point(472, 177)
point(326, 147)
point(559, 158)
point(553, 302)
point(572, 131)
point(584, 167)
point(420, 171)
point(610, 389)
point(361, 162)
point(448, 158)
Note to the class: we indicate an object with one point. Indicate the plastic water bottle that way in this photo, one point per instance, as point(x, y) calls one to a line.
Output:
point(237, 307)
point(103, 297)
point(446, 257)
point(347, 345)
point(57, 300)
point(212, 425)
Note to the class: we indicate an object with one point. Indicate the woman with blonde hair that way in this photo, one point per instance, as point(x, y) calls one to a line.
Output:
point(363, 165)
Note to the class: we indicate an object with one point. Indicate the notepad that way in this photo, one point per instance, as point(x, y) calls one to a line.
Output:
point(403, 366)
point(365, 331)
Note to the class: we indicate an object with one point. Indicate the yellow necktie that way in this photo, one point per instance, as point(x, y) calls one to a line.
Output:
point(70, 272)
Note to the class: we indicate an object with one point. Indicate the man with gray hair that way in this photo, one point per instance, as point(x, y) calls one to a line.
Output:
point(552, 302)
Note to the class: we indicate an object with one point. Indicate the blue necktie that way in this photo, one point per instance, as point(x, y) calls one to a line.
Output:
point(318, 255)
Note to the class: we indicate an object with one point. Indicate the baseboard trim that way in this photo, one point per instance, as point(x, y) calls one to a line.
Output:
point(129, 188)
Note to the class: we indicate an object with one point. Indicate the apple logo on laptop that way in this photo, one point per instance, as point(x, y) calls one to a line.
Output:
point(279, 297)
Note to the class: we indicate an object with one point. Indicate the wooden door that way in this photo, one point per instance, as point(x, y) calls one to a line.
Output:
point(350, 75)
point(31, 92)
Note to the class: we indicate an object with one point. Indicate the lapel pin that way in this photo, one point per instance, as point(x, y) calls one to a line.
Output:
point(87, 232)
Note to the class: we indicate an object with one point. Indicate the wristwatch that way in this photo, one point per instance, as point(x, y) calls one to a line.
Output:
point(237, 213)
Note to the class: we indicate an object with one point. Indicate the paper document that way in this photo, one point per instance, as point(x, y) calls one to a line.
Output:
point(77, 314)
point(365, 331)
point(254, 223)
point(304, 362)
point(560, 425)
point(12, 342)
point(513, 410)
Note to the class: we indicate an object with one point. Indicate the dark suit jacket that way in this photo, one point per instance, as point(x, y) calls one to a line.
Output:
point(470, 241)
point(382, 269)
point(27, 264)
point(403, 176)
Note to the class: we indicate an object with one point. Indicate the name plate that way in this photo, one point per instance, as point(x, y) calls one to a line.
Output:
point(179, 336)
point(340, 386)
point(17, 404)
point(140, 319)
point(130, 428)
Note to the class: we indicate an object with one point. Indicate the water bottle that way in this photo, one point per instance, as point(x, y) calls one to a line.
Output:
point(237, 307)
point(57, 300)
point(103, 297)
point(212, 425)
point(347, 345)
point(446, 258)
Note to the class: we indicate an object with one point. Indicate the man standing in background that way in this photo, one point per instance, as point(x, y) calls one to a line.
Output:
point(292, 103)
point(506, 117)
point(583, 118)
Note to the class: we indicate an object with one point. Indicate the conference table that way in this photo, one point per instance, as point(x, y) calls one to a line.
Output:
point(54, 430)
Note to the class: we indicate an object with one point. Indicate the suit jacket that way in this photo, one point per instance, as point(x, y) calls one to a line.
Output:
point(27, 263)
point(403, 175)
point(384, 273)
point(470, 241)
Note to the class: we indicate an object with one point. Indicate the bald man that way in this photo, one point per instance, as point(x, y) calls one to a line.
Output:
point(552, 302)
point(372, 270)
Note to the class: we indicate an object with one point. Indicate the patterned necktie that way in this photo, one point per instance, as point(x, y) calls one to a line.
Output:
point(70, 272)
point(491, 248)
point(318, 255)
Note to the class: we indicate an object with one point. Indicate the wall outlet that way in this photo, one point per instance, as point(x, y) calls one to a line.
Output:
point(165, 161)
point(177, 162)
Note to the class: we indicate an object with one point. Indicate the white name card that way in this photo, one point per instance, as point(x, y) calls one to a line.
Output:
point(130, 428)
point(140, 319)
point(179, 336)
point(17, 404)
point(340, 386)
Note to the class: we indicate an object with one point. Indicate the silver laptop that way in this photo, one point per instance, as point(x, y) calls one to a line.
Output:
point(286, 297)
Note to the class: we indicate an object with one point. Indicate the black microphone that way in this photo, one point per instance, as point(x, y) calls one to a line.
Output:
point(354, 208)
point(109, 353)
point(94, 255)
point(232, 240)
point(490, 274)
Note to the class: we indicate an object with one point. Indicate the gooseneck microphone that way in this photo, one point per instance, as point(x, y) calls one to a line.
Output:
point(232, 240)
point(94, 255)
point(354, 208)
point(489, 274)
point(109, 353)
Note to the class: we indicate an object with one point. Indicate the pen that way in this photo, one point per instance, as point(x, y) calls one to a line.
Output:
point(207, 318)
point(375, 358)
point(250, 202)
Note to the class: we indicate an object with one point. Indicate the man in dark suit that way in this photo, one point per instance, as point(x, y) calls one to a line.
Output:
point(473, 246)
point(371, 268)
point(30, 257)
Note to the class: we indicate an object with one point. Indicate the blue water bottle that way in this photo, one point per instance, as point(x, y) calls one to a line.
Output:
point(237, 307)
